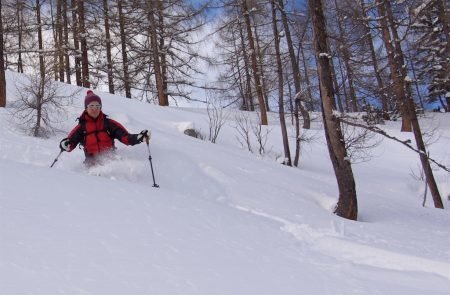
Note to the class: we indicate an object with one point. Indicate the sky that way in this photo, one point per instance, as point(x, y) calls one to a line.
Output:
point(223, 221)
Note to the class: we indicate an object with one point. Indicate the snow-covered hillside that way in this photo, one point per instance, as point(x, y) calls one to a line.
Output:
point(223, 222)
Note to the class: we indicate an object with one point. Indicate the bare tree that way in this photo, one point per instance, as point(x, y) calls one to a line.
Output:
point(109, 64)
point(124, 51)
point(294, 64)
point(59, 40)
point(276, 34)
point(41, 103)
point(154, 12)
point(216, 117)
point(261, 134)
point(243, 128)
point(256, 72)
point(66, 42)
point(76, 41)
point(347, 204)
point(83, 44)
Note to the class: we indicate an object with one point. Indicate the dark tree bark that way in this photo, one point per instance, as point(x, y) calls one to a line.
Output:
point(83, 43)
point(345, 53)
point(123, 42)
point(410, 123)
point(41, 69)
point(76, 42)
point(276, 34)
point(66, 42)
point(261, 66)
point(376, 68)
point(395, 68)
point(153, 25)
point(256, 75)
point(20, 25)
point(108, 47)
point(347, 206)
point(250, 106)
point(162, 50)
point(60, 40)
point(294, 65)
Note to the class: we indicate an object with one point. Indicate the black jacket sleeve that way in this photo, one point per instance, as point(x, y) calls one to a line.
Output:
point(119, 132)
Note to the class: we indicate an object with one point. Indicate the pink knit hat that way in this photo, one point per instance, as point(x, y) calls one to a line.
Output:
point(90, 97)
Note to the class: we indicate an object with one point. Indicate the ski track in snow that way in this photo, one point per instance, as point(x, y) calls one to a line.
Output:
point(332, 243)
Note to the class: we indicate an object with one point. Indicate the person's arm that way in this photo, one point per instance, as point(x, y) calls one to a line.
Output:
point(117, 131)
point(72, 140)
point(75, 136)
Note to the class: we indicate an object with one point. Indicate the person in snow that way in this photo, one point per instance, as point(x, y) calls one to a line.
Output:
point(96, 132)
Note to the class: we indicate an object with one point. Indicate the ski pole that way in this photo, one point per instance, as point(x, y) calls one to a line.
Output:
point(150, 159)
point(56, 159)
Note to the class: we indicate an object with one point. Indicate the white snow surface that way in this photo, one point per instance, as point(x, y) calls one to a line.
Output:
point(223, 221)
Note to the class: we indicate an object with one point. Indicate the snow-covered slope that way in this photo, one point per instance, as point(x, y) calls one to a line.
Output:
point(223, 221)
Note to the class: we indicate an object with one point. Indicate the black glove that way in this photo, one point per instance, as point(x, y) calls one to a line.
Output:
point(64, 145)
point(142, 135)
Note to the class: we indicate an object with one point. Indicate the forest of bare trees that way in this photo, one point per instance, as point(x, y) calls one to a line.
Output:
point(389, 58)
point(151, 50)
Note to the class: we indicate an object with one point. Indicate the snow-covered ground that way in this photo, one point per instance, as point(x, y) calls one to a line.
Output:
point(223, 222)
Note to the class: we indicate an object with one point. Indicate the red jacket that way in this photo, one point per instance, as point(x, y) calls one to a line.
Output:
point(97, 135)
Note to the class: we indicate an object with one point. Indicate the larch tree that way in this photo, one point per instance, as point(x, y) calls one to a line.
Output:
point(254, 62)
point(109, 63)
point(347, 206)
point(276, 35)
point(124, 49)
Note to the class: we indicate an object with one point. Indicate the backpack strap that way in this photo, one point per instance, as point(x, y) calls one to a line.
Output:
point(106, 128)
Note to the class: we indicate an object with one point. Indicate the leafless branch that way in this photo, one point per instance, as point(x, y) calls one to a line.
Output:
point(406, 143)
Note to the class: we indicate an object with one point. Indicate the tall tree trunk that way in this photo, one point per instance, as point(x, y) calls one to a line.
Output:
point(66, 42)
point(336, 84)
point(2, 64)
point(343, 48)
point(396, 75)
point(41, 69)
point(19, 15)
point(123, 42)
point(408, 107)
point(287, 153)
point(380, 83)
point(347, 101)
point(401, 63)
point(347, 204)
point(256, 76)
point(76, 42)
point(431, 182)
point(294, 65)
point(162, 52)
point(249, 95)
point(238, 69)
point(108, 47)
point(155, 54)
point(55, 68)
point(261, 70)
point(60, 41)
point(307, 80)
point(83, 42)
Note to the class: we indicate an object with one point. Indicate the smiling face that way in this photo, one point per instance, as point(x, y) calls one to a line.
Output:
point(93, 109)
